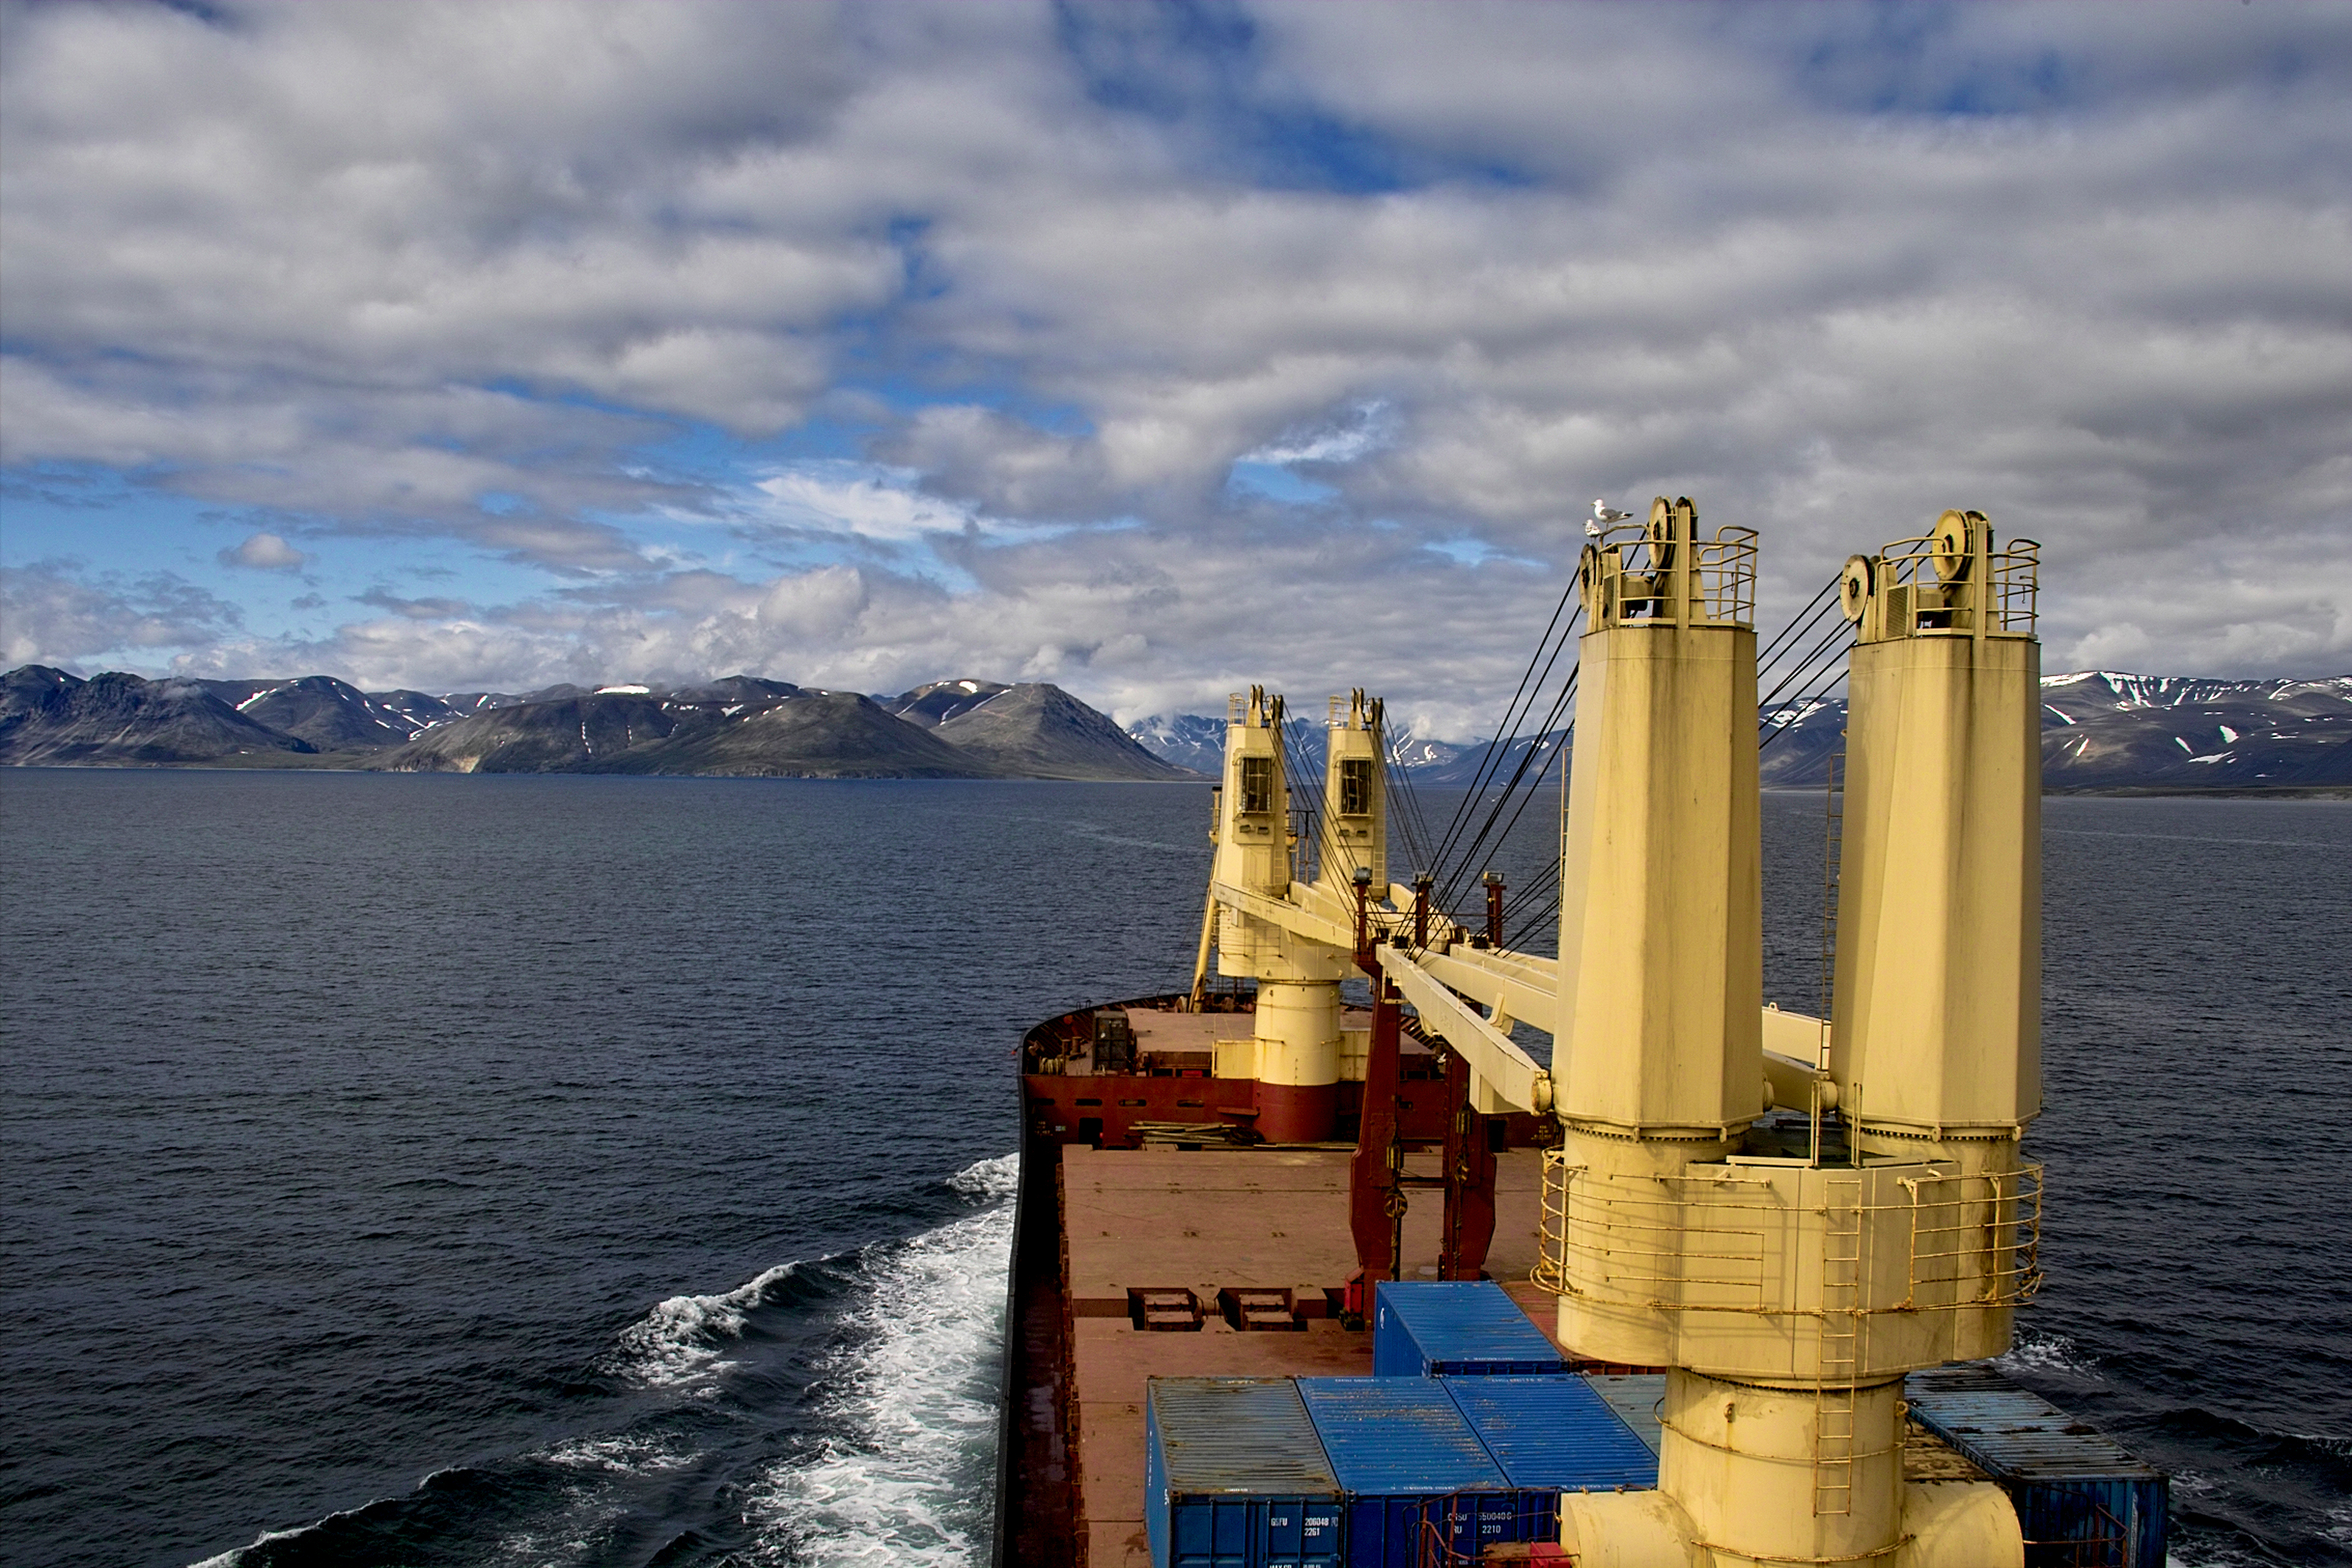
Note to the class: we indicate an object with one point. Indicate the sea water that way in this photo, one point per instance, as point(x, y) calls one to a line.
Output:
point(429, 1170)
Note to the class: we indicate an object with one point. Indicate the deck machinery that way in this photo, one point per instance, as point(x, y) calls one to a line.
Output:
point(1787, 1293)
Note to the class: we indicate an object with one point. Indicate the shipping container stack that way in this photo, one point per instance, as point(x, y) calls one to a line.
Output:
point(1637, 1398)
point(1554, 1435)
point(1408, 1462)
point(1472, 1426)
point(1461, 1442)
point(1234, 1477)
point(2079, 1498)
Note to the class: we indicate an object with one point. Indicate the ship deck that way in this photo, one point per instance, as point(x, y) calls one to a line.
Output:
point(1114, 1223)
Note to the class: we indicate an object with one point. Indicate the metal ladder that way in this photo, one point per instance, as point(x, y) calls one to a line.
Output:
point(1838, 1361)
point(1832, 855)
point(1833, 851)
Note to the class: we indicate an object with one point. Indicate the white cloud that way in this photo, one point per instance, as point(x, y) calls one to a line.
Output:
point(849, 499)
point(1358, 434)
point(265, 553)
point(817, 607)
point(1036, 271)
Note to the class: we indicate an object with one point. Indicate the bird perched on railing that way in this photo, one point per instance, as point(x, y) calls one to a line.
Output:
point(1604, 514)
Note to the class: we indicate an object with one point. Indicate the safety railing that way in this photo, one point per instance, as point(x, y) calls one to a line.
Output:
point(1643, 1229)
point(1979, 1231)
point(2015, 586)
point(1936, 584)
point(1658, 573)
point(1268, 706)
point(1685, 1243)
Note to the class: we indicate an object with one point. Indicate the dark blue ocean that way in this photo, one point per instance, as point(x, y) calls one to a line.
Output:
point(424, 1170)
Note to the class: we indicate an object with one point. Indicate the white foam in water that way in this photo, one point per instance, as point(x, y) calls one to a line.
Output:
point(2050, 1352)
point(997, 1178)
point(628, 1454)
point(904, 1475)
point(681, 1340)
point(236, 1554)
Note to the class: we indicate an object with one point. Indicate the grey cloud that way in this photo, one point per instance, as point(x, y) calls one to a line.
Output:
point(399, 461)
point(430, 609)
point(1828, 268)
point(339, 290)
point(51, 612)
point(1000, 464)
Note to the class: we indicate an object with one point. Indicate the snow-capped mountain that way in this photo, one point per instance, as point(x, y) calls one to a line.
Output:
point(1189, 740)
point(2102, 730)
point(2106, 730)
point(742, 724)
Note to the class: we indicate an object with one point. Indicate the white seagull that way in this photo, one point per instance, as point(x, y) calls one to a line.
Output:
point(1604, 514)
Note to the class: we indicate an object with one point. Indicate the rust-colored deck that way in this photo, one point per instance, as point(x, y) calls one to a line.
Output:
point(1097, 1223)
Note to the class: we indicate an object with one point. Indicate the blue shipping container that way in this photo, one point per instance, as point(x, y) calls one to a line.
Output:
point(1235, 1478)
point(2079, 1498)
point(1407, 1461)
point(1456, 1328)
point(1637, 1397)
point(1554, 1433)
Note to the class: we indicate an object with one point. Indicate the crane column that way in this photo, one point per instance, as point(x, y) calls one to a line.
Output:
point(1789, 1297)
point(1298, 1018)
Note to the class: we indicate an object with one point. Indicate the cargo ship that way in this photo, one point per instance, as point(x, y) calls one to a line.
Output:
point(1322, 1261)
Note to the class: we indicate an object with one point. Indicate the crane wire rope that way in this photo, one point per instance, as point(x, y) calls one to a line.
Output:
point(1819, 694)
point(1540, 745)
point(1499, 751)
point(1799, 623)
point(1294, 766)
point(1507, 729)
point(1831, 647)
point(1326, 833)
point(1412, 824)
point(1532, 908)
point(1453, 870)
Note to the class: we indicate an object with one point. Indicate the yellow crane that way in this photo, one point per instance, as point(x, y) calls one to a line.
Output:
point(1786, 1295)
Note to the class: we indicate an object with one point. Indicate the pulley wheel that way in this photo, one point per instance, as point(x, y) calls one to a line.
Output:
point(1855, 585)
point(1954, 544)
point(1662, 534)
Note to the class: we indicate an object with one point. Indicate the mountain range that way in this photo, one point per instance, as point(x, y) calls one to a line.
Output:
point(2103, 731)
point(742, 725)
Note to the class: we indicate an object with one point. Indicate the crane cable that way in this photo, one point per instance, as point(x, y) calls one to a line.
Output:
point(1496, 751)
point(1507, 731)
point(1794, 635)
point(1540, 745)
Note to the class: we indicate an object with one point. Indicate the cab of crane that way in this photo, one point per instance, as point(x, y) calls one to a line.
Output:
point(1257, 784)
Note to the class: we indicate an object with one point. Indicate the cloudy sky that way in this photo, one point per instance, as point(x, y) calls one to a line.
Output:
point(1149, 350)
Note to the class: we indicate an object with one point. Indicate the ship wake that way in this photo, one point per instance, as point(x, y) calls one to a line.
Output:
point(902, 1470)
point(836, 1412)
